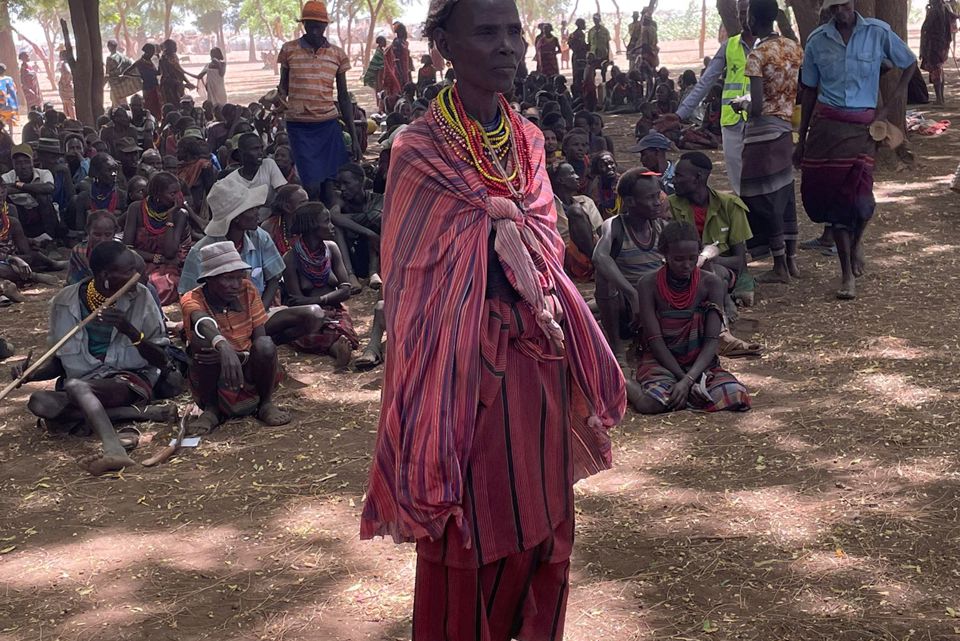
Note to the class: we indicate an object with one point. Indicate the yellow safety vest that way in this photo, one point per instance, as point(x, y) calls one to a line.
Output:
point(734, 83)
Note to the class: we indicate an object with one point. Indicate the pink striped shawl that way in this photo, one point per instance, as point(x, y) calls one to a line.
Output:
point(436, 223)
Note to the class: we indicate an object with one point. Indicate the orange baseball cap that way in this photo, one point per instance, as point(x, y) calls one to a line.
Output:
point(314, 10)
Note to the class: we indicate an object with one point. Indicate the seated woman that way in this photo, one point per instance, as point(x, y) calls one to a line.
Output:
point(235, 371)
point(157, 229)
point(682, 315)
point(282, 214)
point(101, 228)
point(315, 275)
point(110, 365)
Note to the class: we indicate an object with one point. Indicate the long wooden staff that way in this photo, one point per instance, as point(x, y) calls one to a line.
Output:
point(53, 350)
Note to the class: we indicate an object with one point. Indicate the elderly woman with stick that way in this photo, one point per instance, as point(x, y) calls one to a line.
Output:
point(108, 351)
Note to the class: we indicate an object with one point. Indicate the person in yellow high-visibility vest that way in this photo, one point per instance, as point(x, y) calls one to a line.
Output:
point(728, 64)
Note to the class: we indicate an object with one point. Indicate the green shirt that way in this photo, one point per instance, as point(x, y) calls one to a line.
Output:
point(726, 223)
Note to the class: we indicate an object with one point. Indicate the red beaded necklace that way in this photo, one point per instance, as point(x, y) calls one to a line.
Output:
point(673, 298)
point(156, 223)
point(487, 153)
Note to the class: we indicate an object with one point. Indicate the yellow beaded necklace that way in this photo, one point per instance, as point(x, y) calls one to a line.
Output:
point(94, 298)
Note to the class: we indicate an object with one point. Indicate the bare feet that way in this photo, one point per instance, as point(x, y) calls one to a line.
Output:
point(342, 352)
point(102, 463)
point(793, 268)
point(272, 415)
point(203, 424)
point(355, 286)
point(858, 262)
point(848, 290)
point(774, 276)
point(11, 291)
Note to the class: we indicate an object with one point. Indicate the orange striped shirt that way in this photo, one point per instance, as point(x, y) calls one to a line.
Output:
point(235, 325)
point(312, 80)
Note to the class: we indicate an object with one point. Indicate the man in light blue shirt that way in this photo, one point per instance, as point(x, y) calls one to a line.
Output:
point(841, 79)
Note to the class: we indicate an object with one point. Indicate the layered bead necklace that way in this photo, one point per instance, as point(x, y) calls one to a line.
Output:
point(101, 198)
point(499, 153)
point(682, 299)
point(153, 221)
point(94, 298)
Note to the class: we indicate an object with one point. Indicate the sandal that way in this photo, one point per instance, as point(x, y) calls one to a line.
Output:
point(733, 347)
point(203, 424)
point(368, 360)
point(129, 437)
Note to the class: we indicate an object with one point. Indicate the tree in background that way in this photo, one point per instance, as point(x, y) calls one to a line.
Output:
point(8, 49)
point(47, 13)
point(86, 60)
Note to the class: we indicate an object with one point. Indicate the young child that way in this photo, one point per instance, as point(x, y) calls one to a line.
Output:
point(681, 308)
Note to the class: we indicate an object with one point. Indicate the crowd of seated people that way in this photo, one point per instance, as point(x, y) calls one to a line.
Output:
point(238, 259)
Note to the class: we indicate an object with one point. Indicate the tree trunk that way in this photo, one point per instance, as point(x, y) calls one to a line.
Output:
point(336, 13)
point(728, 14)
point(894, 13)
point(167, 11)
point(50, 34)
point(251, 46)
point(617, 27)
point(8, 49)
point(87, 61)
point(807, 14)
point(703, 27)
point(573, 13)
point(372, 28)
point(785, 26)
point(349, 44)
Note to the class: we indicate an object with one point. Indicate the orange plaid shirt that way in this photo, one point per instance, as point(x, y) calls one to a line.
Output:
point(312, 80)
point(235, 325)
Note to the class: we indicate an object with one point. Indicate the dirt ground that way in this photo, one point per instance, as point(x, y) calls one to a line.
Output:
point(828, 512)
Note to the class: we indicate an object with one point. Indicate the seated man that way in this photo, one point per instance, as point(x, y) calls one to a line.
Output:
point(681, 314)
point(358, 223)
point(627, 252)
point(234, 218)
point(255, 169)
point(235, 371)
point(578, 221)
point(31, 190)
point(111, 364)
point(721, 219)
point(20, 264)
point(315, 274)
point(653, 149)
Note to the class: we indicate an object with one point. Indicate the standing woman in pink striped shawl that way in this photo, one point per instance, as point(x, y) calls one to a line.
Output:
point(499, 387)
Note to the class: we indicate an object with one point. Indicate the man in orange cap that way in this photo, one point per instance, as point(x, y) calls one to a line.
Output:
point(309, 68)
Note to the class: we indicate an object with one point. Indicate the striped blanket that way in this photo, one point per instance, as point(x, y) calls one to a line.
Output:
point(437, 219)
point(683, 332)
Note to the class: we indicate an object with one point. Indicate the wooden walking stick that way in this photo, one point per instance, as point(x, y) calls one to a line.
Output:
point(53, 350)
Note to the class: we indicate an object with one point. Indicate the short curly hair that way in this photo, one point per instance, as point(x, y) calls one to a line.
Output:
point(437, 16)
